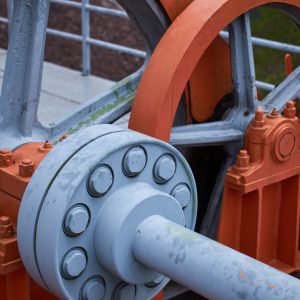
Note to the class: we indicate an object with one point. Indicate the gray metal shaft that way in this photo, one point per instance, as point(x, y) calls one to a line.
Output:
point(207, 267)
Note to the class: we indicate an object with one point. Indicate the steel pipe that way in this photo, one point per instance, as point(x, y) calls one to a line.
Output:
point(207, 267)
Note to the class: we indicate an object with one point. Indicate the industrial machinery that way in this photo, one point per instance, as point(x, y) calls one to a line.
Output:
point(196, 191)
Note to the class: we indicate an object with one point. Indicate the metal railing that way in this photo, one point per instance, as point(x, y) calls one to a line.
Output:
point(86, 40)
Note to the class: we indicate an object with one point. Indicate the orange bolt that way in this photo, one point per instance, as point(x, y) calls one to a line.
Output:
point(5, 158)
point(6, 227)
point(259, 118)
point(26, 168)
point(274, 113)
point(46, 147)
point(290, 110)
point(242, 160)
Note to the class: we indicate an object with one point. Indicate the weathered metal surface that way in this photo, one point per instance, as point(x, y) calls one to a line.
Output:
point(262, 189)
point(196, 28)
point(207, 267)
point(86, 179)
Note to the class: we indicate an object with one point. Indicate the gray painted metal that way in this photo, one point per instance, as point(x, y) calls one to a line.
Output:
point(268, 44)
point(207, 267)
point(21, 86)
point(64, 174)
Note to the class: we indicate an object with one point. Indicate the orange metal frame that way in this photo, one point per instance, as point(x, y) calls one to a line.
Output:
point(261, 203)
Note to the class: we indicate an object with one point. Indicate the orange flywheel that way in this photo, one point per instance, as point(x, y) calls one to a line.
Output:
point(176, 64)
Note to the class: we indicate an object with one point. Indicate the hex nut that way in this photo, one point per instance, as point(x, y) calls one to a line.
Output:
point(164, 168)
point(125, 292)
point(155, 282)
point(182, 194)
point(76, 220)
point(74, 263)
point(100, 181)
point(134, 161)
point(93, 289)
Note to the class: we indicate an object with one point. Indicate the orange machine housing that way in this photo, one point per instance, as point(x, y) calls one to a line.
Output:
point(260, 213)
point(16, 169)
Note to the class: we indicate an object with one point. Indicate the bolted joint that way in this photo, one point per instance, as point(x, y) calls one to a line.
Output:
point(259, 118)
point(125, 292)
point(6, 158)
point(46, 147)
point(274, 114)
point(290, 110)
point(94, 288)
point(164, 169)
point(6, 228)
point(74, 263)
point(26, 168)
point(134, 161)
point(77, 220)
point(182, 194)
point(242, 162)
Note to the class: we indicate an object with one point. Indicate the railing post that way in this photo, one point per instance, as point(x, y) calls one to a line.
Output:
point(85, 28)
point(10, 8)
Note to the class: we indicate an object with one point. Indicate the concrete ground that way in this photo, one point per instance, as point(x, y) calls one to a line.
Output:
point(63, 90)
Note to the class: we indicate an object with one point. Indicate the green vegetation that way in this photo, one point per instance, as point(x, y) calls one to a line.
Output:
point(275, 25)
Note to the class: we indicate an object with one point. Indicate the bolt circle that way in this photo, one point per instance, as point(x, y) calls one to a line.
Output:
point(100, 181)
point(93, 289)
point(76, 220)
point(164, 169)
point(134, 161)
point(74, 263)
point(124, 292)
point(182, 194)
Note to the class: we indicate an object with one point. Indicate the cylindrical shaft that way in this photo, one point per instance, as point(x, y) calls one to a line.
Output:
point(207, 267)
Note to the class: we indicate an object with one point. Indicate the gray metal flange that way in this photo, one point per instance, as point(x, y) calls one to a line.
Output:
point(81, 210)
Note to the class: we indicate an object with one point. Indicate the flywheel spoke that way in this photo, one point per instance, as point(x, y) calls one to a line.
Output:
point(285, 91)
point(214, 133)
point(242, 61)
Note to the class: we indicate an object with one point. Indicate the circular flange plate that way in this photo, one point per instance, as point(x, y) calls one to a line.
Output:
point(65, 176)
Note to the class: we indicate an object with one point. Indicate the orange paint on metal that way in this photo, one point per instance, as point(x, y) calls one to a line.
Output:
point(261, 202)
point(159, 296)
point(176, 57)
point(288, 63)
point(16, 169)
point(214, 66)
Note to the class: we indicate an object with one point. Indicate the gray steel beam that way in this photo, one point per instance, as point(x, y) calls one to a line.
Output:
point(207, 267)
point(23, 71)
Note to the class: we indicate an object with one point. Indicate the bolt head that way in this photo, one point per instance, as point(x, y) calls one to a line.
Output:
point(5, 157)
point(164, 168)
point(100, 181)
point(182, 194)
point(156, 281)
point(134, 161)
point(74, 263)
point(77, 220)
point(94, 289)
point(125, 292)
